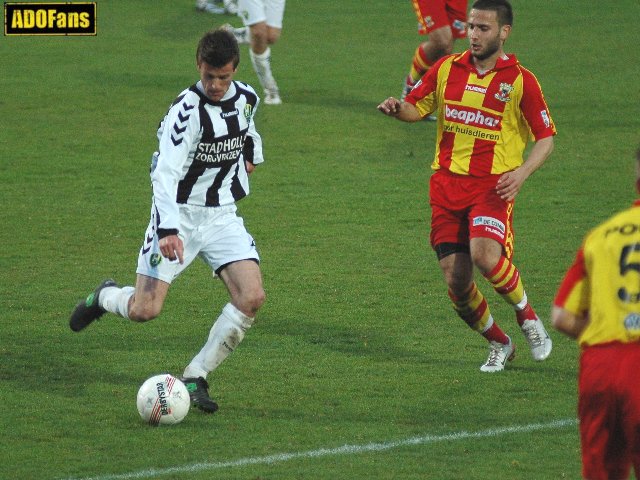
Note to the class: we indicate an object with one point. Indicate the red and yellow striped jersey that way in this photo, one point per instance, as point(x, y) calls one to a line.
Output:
point(604, 281)
point(484, 120)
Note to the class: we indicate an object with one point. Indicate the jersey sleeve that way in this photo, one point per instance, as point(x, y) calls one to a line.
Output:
point(177, 134)
point(534, 107)
point(574, 293)
point(423, 96)
point(252, 149)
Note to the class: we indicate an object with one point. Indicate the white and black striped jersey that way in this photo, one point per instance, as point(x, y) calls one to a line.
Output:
point(202, 149)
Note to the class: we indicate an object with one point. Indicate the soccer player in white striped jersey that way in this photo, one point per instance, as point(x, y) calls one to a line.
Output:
point(208, 144)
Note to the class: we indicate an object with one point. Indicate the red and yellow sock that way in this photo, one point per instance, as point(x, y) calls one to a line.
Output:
point(506, 280)
point(419, 66)
point(472, 307)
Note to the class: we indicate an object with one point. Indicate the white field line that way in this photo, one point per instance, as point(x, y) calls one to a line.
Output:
point(329, 452)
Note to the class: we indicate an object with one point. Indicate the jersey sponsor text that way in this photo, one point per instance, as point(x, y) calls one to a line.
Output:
point(471, 116)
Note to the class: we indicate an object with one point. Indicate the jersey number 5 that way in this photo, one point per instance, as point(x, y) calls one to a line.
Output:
point(625, 265)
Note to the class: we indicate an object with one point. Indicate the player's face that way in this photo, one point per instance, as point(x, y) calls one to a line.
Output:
point(216, 81)
point(486, 36)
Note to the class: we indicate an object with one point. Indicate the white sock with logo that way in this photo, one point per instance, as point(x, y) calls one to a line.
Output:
point(116, 300)
point(225, 335)
point(262, 65)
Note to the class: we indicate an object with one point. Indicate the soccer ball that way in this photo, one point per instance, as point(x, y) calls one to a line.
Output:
point(163, 400)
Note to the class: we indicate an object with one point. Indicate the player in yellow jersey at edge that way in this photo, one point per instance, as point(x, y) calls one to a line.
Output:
point(488, 107)
point(598, 303)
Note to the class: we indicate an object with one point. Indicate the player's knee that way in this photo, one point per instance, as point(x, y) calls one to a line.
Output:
point(251, 301)
point(458, 282)
point(259, 35)
point(441, 44)
point(143, 313)
point(484, 261)
point(257, 299)
point(273, 35)
point(441, 49)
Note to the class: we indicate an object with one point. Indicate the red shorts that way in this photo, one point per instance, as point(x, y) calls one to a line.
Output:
point(434, 14)
point(609, 410)
point(464, 207)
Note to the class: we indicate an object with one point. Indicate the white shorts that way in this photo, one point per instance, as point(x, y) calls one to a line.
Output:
point(215, 234)
point(255, 11)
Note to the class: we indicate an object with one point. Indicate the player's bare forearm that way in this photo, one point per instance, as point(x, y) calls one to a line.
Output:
point(539, 153)
point(510, 183)
point(406, 112)
point(567, 322)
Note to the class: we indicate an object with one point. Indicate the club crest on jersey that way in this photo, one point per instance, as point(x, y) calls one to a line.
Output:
point(504, 92)
point(247, 111)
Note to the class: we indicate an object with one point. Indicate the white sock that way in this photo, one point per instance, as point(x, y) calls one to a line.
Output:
point(488, 325)
point(225, 335)
point(522, 303)
point(116, 300)
point(262, 65)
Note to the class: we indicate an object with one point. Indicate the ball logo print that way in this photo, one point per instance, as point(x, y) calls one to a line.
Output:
point(163, 400)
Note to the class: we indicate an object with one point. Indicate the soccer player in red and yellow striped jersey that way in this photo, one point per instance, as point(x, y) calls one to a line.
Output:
point(598, 303)
point(488, 107)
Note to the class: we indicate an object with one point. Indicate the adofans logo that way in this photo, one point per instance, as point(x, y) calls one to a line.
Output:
point(50, 18)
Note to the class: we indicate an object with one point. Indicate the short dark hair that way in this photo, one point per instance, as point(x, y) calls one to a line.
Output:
point(217, 48)
point(501, 7)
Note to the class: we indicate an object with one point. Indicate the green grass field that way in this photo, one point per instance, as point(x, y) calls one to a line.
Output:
point(357, 367)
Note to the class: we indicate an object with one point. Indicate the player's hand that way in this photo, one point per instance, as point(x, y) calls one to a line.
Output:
point(509, 184)
point(249, 166)
point(390, 107)
point(172, 248)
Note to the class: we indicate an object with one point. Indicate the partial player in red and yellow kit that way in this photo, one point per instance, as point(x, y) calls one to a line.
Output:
point(598, 303)
point(488, 107)
point(444, 21)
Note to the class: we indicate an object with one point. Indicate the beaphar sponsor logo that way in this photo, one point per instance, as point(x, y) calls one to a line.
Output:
point(50, 18)
point(471, 116)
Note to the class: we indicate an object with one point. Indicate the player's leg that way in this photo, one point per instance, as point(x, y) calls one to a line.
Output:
point(491, 246)
point(449, 238)
point(602, 414)
point(264, 20)
point(144, 301)
point(626, 376)
point(232, 254)
point(140, 304)
point(433, 21)
point(244, 282)
point(470, 304)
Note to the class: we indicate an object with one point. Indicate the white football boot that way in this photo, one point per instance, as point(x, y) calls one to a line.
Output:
point(538, 338)
point(231, 6)
point(205, 6)
point(242, 34)
point(499, 354)
point(272, 97)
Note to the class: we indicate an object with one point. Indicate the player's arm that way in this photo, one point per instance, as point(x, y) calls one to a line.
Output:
point(511, 182)
point(568, 322)
point(570, 313)
point(252, 148)
point(406, 112)
point(177, 135)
